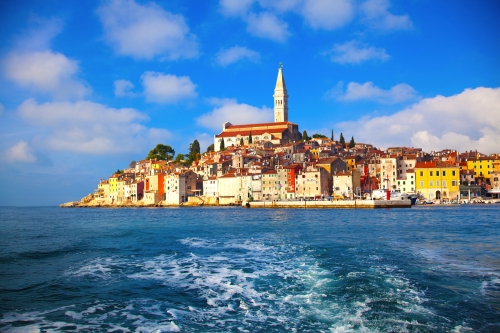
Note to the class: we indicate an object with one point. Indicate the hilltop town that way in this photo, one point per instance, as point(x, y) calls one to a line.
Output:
point(274, 161)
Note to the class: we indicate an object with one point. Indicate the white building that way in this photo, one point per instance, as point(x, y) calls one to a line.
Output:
point(211, 187)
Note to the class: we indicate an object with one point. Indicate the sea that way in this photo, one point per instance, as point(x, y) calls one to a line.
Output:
point(231, 269)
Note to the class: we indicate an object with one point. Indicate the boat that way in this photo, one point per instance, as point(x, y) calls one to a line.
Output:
point(381, 194)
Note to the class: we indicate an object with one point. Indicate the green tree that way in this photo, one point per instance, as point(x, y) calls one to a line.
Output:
point(305, 137)
point(342, 140)
point(180, 158)
point(210, 148)
point(119, 172)
point(161, 152)
point(241, 141)
point(352, 143)
point(332, 136)
point(250, 138)
point(319, 136)
point(194, 150)
point(222, 146)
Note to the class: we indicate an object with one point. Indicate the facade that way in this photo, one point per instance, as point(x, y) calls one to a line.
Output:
point(210, 187)
point(311, 183)
point(270, 185)
point(332, 165)
point(278, 132)
point(178, 186)
point(495, 180)
point(348, 183)
point(113, 187)
point(156, 184)
point(388, 172)
point(137, 190)
point(102, 190)
point(437, 180)
point(407, 183)
point(482, 166)
point(291, 171)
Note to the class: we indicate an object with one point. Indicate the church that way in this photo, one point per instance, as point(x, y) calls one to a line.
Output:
point(278, 132)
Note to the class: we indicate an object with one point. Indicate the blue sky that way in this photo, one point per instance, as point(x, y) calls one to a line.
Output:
point(88, 86)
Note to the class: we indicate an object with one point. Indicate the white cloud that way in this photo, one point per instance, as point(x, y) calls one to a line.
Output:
point(469, 120)
point(146, 31)
point(234, 54)
point(327, 14)
point(46, 72)
point(89, 128)
point(123, 88)
point(235, 7)
point(20, 152)
point(353, 52)
point(368, 91)
point(39, 37)
point(378, 16)
point(281, 5)
point(230, 110)
point(267, 25)
point(167, 88)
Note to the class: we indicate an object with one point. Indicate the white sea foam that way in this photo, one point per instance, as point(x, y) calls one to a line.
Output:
point(258, 284)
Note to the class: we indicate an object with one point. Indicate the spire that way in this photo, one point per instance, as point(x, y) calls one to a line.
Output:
point(280, 98)
point(280, 81)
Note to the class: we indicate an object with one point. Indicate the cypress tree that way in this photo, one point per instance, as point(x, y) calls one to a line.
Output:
point(304, 136)
point(332, 136)
point(222, 146)
point(250, 138)
point(241, 141)
point(342, 140)
point(351, 143)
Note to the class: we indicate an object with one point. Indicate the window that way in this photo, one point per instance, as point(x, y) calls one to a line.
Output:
point(421, 183)
point(421, 173)
point(444, 183)
point(431, 173)
point(412, 182)
point(444, 173)
point(453, 183)
point(437, 183)
point(431, 183)
point(437, 173)
point(404, 182)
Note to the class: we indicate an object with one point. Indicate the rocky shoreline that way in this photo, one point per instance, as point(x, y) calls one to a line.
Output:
point(90, 202)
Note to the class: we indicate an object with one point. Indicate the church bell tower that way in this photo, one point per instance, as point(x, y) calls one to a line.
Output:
point(280, 98)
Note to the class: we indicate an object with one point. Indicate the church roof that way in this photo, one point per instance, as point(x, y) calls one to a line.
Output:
point(275, 124)
point(246, 132)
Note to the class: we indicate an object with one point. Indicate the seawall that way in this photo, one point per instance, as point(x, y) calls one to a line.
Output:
point(330, 204)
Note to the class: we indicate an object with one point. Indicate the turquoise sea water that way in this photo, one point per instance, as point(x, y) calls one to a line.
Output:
point(424, 269)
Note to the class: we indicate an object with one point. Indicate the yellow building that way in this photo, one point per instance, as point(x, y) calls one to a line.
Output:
point(102, 190)
point(482, 166)
point(113, 187)
point(437, 180)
